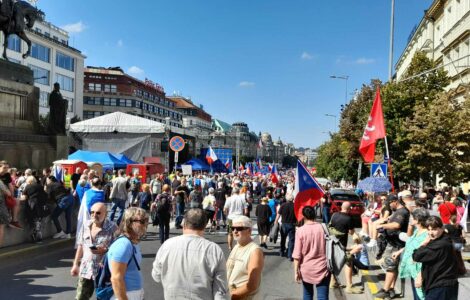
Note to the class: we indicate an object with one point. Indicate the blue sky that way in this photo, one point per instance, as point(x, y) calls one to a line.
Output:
point(264, 62)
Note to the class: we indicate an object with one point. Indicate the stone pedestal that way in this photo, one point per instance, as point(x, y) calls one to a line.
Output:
point(62, 146)
point(19, 114)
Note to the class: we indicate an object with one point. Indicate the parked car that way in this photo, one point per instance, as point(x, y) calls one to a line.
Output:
point(338, 196)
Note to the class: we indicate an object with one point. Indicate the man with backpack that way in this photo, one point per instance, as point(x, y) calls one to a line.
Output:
point(162, 207)
point(97, 236)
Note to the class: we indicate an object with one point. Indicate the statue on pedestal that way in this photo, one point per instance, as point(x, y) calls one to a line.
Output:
point(57, 112)
point(12, 21)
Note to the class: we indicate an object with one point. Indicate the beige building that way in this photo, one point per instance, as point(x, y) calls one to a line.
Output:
point(52, 60)
point(444, 35)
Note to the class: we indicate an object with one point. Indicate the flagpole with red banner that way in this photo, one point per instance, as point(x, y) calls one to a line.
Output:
point(375, 130)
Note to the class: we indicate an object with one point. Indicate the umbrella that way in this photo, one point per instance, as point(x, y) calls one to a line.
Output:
point(375, 184)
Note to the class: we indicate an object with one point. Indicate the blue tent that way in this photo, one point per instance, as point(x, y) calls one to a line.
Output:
point(108, 160)
point(124, 158)
point(197, 164)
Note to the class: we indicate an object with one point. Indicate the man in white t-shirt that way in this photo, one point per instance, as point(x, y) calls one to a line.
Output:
point(235, 206)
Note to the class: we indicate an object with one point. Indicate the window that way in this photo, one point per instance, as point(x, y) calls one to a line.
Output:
point(106, 101)
point(14, 43)
point(94, 87)
point(55, 38)
point(70, 103)
point(113, 102)
point(64, 61)
point(44, 99)
point(128, 103)
point(97, 101)
point(40, 75)
point(40, 52)
point(137, 104)
point(66, 83)
point(47, 34)
point(64, 42)
point(38, 30)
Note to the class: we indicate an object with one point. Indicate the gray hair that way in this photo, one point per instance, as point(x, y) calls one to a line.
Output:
point(211, 191)
point(236, 190)
point(421, 215)
point(243, 220)
point(195, 219)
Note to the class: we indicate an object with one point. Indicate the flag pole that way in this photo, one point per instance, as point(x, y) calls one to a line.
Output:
point(389, 164)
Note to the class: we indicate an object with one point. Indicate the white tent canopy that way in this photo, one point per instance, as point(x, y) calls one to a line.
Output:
point(118, 122)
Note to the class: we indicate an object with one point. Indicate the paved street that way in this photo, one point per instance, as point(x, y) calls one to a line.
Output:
point(47, 276)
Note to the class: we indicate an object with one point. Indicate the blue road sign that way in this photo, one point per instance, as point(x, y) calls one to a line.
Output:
point(378, 170)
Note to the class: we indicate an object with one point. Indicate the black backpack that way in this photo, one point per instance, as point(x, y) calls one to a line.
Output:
point(162, 203)
point(103, 286)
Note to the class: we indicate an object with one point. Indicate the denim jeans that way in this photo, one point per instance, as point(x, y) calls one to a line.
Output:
point(64, 205)
point(179, 213)
point(447, 293)
point(117, 203)
point(326, 214)
point(287, 231)
point(323, 289)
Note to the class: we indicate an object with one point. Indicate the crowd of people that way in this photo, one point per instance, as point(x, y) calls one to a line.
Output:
point(410, 235)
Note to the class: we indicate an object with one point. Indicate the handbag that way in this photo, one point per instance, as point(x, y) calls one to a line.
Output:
point(10, 202)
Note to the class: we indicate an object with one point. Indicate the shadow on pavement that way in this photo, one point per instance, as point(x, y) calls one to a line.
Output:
point(25, 279)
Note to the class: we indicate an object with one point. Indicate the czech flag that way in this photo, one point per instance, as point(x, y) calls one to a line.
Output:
point(260, 144)
point(210, 156)
point(248, 168)
point(241, 168)
point(270, 167)
point(227, 164)
point(308, 191)
point(274, 175)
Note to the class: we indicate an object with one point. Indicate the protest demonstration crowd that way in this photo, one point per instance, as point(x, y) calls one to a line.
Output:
point(409, 234)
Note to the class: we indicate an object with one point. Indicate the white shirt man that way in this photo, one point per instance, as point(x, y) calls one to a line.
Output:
point(189, 266)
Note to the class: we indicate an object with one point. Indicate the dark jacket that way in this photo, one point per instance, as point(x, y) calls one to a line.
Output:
point(439, 263)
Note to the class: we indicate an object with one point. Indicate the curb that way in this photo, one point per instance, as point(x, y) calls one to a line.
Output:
point(35, 249)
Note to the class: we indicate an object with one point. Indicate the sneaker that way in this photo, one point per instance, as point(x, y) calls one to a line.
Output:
point(372, 243)
point(353, 290)
point(59, 235)
point(392, 293)
point(15, 225)
point(382, 294)
point(362, 233)
point(66, 236)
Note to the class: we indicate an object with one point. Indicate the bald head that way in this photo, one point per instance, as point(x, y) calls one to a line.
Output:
point(345, 207)
point(98, 213)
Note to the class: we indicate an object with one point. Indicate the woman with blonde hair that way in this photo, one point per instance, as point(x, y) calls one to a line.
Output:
point(125, 256)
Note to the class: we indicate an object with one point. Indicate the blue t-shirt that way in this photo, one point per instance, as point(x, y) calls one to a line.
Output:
point(273, 203)
point(121, 251)
point(81, 190)
point(363, 256)
point(92, 197)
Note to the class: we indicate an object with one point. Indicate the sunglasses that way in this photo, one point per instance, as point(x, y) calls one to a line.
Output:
point(95, 213)
point(239, 228)
point(143, 221)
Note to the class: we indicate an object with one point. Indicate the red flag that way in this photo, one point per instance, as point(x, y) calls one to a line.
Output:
point(375, 129)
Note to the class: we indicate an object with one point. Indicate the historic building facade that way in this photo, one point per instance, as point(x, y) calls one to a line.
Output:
point(52, 60)
point(444, 35)
point(108, 90)
point(195, 119)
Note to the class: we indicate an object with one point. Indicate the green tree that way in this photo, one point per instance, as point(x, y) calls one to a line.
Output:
point(401, 100)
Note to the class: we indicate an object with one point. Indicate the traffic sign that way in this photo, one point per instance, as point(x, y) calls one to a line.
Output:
point(177, 143)
point(378, 170)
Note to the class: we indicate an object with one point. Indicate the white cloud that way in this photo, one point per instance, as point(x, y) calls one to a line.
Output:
point(306, 56)
point(246, 84)
point(120, 43)
point(134, 70)
point(364, 61)
point(75, 27)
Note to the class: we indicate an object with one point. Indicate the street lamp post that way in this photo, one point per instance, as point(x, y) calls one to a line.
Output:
point(345, 78)
point(167, 137)
point(333, 116)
